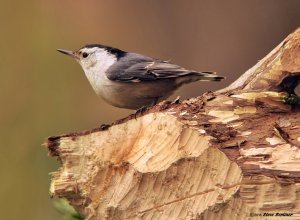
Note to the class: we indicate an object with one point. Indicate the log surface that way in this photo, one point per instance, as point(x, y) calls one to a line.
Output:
point(222, 155)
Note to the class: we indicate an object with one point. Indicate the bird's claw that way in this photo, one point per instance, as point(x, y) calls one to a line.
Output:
point(176, 101)
point(104, 127)
point(140, 111)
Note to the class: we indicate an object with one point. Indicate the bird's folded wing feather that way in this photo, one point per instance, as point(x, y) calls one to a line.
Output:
point(150, 71)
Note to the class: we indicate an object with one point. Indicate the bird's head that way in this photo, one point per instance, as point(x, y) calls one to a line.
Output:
point(95, 57)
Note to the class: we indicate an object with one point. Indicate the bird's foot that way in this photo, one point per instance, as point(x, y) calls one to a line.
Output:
point(140, 111)
point(104, 127)
point(176, 101)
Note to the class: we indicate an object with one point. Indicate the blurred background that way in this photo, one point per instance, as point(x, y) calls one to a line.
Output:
point(44, 93)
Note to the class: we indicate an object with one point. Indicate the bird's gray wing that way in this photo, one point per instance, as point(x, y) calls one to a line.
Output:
point(139, 68)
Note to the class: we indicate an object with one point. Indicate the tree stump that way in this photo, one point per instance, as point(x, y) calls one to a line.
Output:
point(230, 154)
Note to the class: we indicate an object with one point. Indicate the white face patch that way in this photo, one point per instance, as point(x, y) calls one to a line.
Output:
point(95, 65)
point(98, 58)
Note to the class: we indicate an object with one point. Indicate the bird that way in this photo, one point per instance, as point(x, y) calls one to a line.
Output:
point(131, 80)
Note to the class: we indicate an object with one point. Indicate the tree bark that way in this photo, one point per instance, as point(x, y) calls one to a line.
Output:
point(230, 154)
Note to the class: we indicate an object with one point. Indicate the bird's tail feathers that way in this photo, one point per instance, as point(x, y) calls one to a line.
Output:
point(196, 76)
point(209, 76)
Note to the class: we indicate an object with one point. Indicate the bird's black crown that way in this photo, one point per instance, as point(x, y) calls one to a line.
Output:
point(117, 52)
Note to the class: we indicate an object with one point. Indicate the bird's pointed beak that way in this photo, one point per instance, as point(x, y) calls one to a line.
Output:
point(67, 52)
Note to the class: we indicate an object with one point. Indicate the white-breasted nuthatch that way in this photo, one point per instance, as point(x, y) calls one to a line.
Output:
point(131, 80)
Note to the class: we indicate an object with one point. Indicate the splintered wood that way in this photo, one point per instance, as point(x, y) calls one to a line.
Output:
point(233, 154)
point(153, 163)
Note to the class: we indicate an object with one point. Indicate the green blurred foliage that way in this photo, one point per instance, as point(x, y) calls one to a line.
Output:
point(67, 211)
point(292, 99)
point(44, 93)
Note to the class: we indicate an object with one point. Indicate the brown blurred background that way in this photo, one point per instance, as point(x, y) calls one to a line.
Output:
point(44, 93)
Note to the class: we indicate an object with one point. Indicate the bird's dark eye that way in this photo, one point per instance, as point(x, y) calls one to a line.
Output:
point(84, 55)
